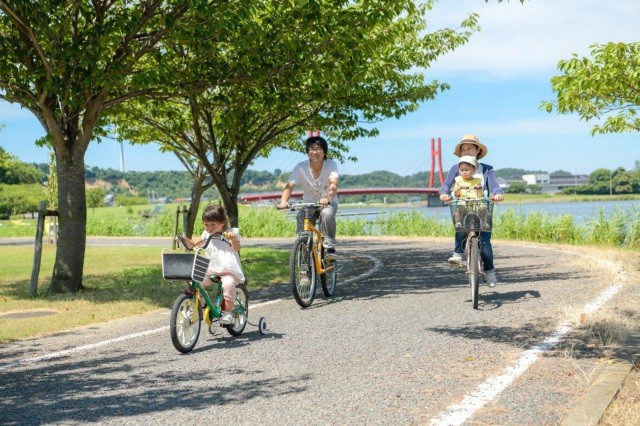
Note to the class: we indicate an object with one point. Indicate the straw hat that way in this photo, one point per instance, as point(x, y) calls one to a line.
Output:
point(469, 160)
point(473, 140)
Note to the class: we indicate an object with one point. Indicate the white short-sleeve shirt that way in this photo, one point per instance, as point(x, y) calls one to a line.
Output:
point(223, 258)
point(315, 189)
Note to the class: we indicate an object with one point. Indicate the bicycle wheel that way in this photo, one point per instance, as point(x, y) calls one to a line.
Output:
point(302, 272)
point(184, 331)
point(242, 307)
point(329, 278)
point(474, 269)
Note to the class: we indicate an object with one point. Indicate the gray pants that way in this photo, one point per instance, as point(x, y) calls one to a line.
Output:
point(327, 222)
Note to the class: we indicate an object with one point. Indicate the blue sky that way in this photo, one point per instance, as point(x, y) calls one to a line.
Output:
point(497, 83)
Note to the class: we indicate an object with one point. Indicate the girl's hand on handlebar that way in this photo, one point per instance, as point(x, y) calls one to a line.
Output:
point(324, 201)
point(445, 197)
point(497, 197)
point(230, 235)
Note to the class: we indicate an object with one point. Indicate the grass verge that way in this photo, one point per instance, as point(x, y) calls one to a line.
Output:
point(119, 282)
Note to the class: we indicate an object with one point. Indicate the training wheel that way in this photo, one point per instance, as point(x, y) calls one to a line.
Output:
point(262, 325)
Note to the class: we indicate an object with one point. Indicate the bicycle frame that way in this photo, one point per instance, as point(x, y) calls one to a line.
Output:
point(212, 309)
point(317, 247)
point(469, 238)
point(472, 216)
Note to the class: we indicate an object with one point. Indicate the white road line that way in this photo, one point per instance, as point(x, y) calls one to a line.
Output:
point(376, 267)
point(457, 414)
point(80, 348)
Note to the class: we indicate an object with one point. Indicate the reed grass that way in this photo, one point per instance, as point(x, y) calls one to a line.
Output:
point(621, 229)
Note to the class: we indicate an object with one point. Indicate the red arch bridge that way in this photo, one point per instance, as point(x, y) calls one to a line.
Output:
point(433, 198)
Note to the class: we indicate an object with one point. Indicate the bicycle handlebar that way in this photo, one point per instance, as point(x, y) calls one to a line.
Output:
point(215, 237)
point(454, 198)
point(299, 206)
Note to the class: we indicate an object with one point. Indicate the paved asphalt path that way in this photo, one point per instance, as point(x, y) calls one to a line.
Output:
point(398, 344)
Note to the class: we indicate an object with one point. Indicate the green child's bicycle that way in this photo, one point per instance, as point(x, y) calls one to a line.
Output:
point(195, 304)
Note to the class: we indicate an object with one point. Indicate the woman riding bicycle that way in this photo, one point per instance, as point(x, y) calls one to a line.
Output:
point(470, 145)
point(319, 179)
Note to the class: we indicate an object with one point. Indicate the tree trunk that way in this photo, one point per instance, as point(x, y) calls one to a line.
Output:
point(192, 214)
point(72, 221)
point(230, 204)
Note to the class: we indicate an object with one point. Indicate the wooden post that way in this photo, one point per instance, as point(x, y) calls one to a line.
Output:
point(185, 213)
point(174, 243)
point(35, 272)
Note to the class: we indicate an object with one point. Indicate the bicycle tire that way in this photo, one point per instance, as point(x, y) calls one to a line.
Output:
point(242, 298)
point(302, 272)
point(184, 333)
point(329, 279)
point(474, 270)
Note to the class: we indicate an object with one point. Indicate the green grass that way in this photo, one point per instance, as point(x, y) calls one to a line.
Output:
point(119, 282)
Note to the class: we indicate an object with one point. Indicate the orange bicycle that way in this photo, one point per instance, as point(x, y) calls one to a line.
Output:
point(307, 260)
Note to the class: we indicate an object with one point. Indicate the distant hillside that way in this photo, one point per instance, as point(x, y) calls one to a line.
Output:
point(177, 184)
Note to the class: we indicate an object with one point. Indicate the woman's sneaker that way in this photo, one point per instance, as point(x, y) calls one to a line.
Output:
point(490, 278)
point(456, 259)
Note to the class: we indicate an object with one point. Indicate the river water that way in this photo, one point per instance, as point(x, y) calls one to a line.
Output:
point(581, 211)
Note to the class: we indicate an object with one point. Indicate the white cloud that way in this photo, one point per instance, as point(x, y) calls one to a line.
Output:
point(500, 127)
point(529, 39)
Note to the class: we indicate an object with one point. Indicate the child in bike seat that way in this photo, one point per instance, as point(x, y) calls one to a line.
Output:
point(224, 255)
point(468, 185)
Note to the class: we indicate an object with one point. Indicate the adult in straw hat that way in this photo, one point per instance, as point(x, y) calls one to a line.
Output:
point(470, 145)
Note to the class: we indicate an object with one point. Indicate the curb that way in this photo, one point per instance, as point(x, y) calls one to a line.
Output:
point(591, 408)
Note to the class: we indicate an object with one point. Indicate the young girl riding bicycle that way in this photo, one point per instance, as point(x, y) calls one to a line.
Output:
point(224, 255)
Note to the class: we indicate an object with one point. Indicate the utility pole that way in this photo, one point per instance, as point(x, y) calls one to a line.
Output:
point(121, 157)
point(610, 183)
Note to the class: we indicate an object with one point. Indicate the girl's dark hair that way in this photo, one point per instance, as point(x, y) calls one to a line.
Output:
point(318, 140)
point(214, 213)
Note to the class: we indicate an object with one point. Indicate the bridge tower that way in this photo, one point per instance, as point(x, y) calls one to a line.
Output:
point(436, 153)
point(433, 200)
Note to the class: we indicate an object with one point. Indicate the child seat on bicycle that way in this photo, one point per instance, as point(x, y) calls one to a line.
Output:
point(468, 186)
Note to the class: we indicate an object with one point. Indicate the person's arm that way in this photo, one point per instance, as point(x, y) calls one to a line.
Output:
point(495, 192)
point(233, 238)
point(286, 194)
point(456, 189)
point(445, 189)
point(331, 192)
point(190, 243)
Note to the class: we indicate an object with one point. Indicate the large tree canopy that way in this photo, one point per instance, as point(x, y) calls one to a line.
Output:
point(69, 61)
point(605, 86)
point(330, 66)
